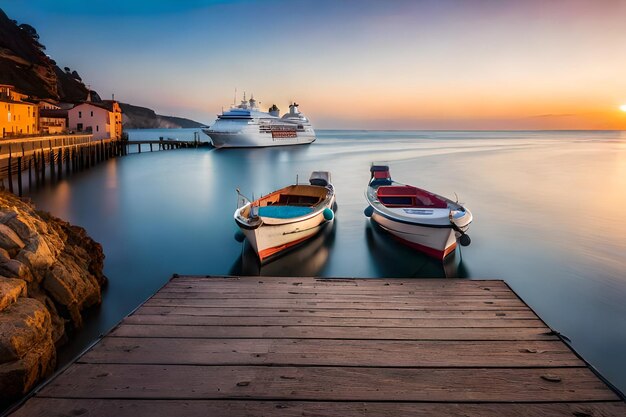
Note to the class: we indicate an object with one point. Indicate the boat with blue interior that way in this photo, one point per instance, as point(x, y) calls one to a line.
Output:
point(288, 216)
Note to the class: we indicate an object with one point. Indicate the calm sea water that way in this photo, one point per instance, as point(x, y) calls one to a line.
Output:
point(548, 208)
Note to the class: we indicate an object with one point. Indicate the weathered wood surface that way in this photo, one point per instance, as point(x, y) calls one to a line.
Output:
point(301, 346)
point(40, 407)
point(276, 331)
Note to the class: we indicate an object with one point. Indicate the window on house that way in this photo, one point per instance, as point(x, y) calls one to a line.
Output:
point(80, 114)
point(91, 114)
point(97, 128)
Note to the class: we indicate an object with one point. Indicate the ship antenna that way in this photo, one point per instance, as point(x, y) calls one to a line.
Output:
point(235, 97)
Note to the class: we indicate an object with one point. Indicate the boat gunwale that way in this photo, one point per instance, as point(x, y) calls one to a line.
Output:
point(318, 208)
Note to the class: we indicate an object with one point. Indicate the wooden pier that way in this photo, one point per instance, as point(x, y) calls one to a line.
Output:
point(252, 346)
point(35, 160)
point(30, 162)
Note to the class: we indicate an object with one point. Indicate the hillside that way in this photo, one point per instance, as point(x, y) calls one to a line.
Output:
point(135, 117)
point(25, 65)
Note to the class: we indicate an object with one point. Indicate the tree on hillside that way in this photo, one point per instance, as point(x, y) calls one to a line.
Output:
point(31, 31)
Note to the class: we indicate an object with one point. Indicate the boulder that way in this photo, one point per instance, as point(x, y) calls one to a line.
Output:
point(10, 290)
point(20, 376)
point(9, 240)
point(15, 269)
point(23, 326)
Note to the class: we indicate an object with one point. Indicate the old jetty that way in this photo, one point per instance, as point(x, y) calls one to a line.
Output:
point(235, 346)
point(31, 161)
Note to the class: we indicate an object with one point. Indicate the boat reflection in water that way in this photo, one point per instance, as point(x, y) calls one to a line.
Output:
point(305, 260)
point(393, 259)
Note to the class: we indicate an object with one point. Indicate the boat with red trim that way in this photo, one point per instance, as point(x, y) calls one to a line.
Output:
point(425, 221)
point(287, 217)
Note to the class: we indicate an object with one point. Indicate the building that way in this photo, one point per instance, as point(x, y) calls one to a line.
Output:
point(17, 117)
point(52, 118)
point(102, 119)
point(52, 121)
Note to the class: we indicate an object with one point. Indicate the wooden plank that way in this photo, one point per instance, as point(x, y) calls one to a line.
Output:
point(418, 304)
point(40, 407)
point(291, 295)
point(332, 352)
point(406, 315)
point(157, 329)
point(339, 283)
point(328, 383)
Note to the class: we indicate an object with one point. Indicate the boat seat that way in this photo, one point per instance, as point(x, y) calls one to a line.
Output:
point(297, 200)
point(284, 212)
point(408, 196)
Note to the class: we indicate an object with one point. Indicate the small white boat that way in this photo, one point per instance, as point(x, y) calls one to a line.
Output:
point(425, 221)
point(288, 216)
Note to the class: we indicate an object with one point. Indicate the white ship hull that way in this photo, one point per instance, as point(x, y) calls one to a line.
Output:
point(255, 139)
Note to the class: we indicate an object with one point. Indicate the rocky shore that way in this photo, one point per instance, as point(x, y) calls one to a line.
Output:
point(50, 272)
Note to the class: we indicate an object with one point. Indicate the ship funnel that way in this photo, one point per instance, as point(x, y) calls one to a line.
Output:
point(293, 108)
point(274, 111)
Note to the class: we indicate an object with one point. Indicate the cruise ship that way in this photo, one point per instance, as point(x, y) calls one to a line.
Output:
point(246, 126)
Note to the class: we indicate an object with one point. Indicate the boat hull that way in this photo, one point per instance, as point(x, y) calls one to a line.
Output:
point(269, 240)
point(256, 139)
point(437, 242)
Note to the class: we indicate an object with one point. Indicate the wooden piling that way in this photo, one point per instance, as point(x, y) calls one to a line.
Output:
point(52, 165)
point(19, 176)
point(68, 153)
point(60, 164)
point(10, 167)
point(43, 167)
point(36, 163)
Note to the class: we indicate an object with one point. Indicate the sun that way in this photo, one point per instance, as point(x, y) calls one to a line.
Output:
point(623, 107)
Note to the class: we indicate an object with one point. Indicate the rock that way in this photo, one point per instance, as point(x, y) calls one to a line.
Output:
point(10, 290)
point(23, 326)
point(18, 377)
point(15, 269)
point(37, 256)
point(60, 268)
point(18, 226)
point(70, 286)
point(59, 336)
point(9, 240)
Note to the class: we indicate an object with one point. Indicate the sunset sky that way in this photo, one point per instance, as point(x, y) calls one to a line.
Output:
point(440, 64)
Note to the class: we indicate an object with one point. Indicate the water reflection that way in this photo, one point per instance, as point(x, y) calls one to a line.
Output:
point(393, 259)
point(307, 259)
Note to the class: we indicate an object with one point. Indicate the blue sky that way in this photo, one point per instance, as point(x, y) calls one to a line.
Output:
point(371, 64)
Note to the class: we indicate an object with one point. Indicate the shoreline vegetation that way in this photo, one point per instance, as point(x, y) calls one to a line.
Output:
point(50, 272)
